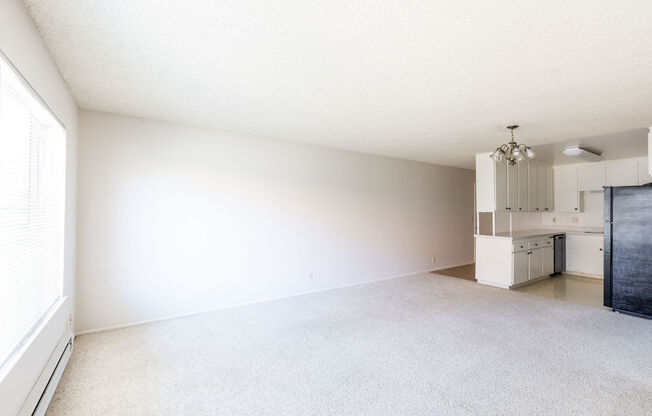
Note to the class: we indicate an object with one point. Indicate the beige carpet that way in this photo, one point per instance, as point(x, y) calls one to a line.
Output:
point(422, 345)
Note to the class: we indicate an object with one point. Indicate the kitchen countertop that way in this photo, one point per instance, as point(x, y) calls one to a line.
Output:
point(515, 235)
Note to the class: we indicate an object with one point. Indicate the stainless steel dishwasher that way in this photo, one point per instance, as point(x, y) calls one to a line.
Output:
point(560, 253)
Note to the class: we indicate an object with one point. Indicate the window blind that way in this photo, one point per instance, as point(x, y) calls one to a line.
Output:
point(32, 198)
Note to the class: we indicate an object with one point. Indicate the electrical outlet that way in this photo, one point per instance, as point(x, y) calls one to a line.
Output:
point(575, 220)
point(434, 259)
point(310, 276)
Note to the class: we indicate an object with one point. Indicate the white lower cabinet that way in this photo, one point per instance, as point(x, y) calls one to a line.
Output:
point(521, 267)
point(532, 259)
point(535, 263)
point(548, 260)
point(584, 254)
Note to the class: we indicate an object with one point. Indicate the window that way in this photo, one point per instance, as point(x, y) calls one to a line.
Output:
point(32, 190)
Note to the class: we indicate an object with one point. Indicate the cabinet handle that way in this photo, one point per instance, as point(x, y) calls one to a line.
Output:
point(575, 209)
point(537, 209)
point(546, 209)
point(600, 249)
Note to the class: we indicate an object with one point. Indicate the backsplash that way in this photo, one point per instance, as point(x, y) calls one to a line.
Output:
point(592, 214)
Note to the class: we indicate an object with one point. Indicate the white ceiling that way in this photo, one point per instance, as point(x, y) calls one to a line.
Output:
point(609, 146)
point(426, 80)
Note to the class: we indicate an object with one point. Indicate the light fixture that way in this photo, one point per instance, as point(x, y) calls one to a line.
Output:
point(583, 154)
point(512, 152)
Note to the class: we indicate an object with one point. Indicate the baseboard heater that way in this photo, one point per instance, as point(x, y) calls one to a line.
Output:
point(38, 400)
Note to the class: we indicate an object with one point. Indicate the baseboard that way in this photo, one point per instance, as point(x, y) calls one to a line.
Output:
point(184, 315)
point(39, 398)
point(494, 284)
point(581, 274)
point(452, 265)
point(538, 279)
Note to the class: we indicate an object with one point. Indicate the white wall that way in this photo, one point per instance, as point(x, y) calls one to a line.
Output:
point(21, 43)
point(175, 219)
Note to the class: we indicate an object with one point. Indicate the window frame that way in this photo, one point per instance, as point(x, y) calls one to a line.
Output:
point(7, 363)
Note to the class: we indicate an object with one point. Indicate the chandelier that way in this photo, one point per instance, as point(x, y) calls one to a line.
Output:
point(512, 152)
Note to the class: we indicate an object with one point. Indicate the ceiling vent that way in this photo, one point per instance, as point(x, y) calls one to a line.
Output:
point(580, 153)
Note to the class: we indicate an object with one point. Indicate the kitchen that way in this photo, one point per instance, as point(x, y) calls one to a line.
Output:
point(542, 220)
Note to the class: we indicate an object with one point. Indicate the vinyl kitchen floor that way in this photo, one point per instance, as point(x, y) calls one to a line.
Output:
point(579, 290)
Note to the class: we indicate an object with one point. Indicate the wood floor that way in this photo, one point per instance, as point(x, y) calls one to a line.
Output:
point(466, 272)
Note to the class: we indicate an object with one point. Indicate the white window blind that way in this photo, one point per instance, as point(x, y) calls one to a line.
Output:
point(32, 190)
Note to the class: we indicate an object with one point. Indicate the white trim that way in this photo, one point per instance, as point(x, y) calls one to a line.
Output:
point(183, 315)
point(17, 354)
point(529, 281)
point(39, 398)
point(452, 265)
point(4, 57)
point(494, 284)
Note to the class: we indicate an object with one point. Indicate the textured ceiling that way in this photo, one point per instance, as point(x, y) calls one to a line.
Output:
point(427, 80)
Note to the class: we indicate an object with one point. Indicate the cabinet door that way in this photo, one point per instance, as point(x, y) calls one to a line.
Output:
point(584, 254)
point(541, 188)
point(550, 205)
point(520, 267)
point(533, 186)
point(501, 186)
point(548, 261)
point(522, 186)
point(512, 187)
point(591, 176)
point(535, 266)
point(622, 172)
point(643, 172)
point(565, 189)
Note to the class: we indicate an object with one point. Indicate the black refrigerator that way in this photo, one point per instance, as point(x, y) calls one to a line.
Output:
point(628, 249)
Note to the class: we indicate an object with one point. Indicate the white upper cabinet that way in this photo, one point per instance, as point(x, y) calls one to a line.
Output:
point(533, 186)
point(591, 176)
point(523, 187)
point(623, 172)
point(549, 206)
point(643, 172)
point(526, 186)
point(501, 186)
point(512, 187)
point(541, 188)
point(566, 192)
point(506, 187)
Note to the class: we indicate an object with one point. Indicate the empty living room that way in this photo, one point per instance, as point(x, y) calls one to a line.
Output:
point(211, 207)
